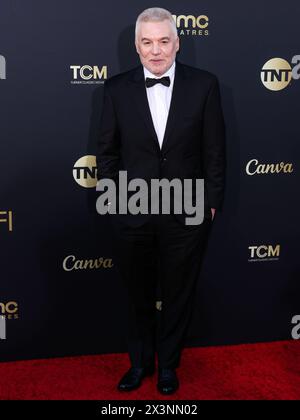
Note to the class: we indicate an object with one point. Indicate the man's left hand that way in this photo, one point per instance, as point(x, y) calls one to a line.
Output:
point(213, 213)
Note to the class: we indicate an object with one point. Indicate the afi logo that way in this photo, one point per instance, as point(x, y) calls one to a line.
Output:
point(6, 217)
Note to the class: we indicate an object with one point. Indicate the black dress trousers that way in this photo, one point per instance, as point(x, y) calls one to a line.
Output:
point(166, 251)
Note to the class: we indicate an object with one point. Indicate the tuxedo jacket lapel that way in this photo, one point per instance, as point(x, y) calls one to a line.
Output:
point(139, 93)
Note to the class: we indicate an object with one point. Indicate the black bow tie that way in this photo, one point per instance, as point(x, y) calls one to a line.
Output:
point(151, 82)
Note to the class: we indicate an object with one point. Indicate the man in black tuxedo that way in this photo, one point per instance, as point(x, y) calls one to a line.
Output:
point(162, 119)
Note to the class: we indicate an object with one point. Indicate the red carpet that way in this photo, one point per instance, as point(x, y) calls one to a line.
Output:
point(257, 371)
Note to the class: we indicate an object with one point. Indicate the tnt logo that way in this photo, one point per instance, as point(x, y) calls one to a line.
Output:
point(2, 67)
point(264, 252)
point(6, 217)
point(85, 171)
point(88, 74)
point(277, 73)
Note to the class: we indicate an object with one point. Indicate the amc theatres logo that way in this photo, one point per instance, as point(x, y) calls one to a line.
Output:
point(2, 67)
point(88, 74)
point(264, 253)
point(9, 310)
point(277, 73)
point(192, 25)
point(6, 218)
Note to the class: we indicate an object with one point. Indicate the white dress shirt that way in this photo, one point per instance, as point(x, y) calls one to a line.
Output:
point(159, 99)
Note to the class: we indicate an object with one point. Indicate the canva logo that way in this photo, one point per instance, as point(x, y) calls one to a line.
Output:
point(253, 167)
point(85, 171)
point(87, 74)
point(277, 73)
point(2, 67)
point(71, 263)
point(264, 252)
point(192, 25)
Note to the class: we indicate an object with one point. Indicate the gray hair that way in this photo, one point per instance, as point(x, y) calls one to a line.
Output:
point(155, 14)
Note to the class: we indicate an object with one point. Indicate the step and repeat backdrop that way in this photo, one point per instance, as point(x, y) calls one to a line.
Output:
point(60, 291)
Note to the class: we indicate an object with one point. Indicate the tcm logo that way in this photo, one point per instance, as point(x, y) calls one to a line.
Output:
point(85, 171)
point(277, 73)
point(192, 25)
point(264, 253)
point(2, 67)
point(253, 167)
point(7, 218)
point(88, 74)
point(9, 310)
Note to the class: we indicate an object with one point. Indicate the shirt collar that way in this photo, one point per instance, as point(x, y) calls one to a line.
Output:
point(169, 72)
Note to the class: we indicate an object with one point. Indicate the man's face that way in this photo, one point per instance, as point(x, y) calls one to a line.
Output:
point(157, 46)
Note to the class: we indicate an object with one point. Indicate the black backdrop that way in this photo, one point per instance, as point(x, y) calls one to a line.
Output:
point(249, 285)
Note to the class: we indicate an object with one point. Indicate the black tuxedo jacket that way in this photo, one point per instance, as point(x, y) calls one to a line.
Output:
point(194, 140)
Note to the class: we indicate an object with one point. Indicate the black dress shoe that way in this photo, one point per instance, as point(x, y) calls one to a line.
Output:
point(133, 378)
point(167, 381)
